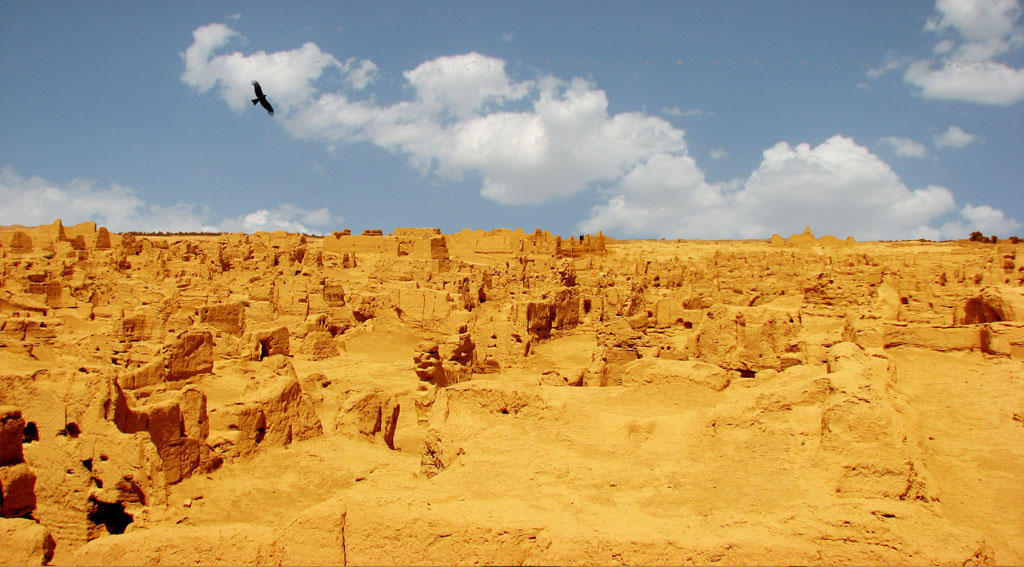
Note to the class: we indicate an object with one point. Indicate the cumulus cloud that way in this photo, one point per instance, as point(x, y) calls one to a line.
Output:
point(837, 187)
point(718, 153)
point(904, 147)
point(979, 21)
point(841, 185)
point(666, 196)
point(983, 218)
point(460, 85)
point(954, 137)
point(545, 138)
point(30, 201)
point(286, 217)
point(360, 74)
point(982, 82)
point(455, 126)
point(527, 141)
point(286, 76)
point(988, 218)
point(986, 29)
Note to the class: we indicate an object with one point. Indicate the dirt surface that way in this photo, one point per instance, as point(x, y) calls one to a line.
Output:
point(508, 398)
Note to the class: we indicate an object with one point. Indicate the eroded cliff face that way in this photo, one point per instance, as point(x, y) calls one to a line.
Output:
point(507, 397)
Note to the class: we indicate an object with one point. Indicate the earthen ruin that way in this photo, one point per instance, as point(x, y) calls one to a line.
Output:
point(508, 397)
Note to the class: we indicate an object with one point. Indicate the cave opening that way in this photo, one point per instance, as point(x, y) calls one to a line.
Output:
point(111, 516)
point(31, 433)
point(978, 311)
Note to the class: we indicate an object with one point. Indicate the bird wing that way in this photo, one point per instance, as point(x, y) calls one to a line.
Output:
point(266, 104)
point(259, 91)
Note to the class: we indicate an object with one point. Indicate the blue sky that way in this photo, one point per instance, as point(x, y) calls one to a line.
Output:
point(641, 119)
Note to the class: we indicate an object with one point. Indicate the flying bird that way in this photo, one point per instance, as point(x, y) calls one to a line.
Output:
point(262, 98)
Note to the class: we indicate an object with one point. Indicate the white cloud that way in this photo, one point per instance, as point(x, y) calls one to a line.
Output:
point(681, 113)
point(31, 201)
point(989, 220)
point(987, 29)
point(286, 217)
point(462, 84)
point(891, 63)
point(718, 153)
point(361, 74)
point(904, 147)
point(954, 137)
point(455, 126)
point(944, 46)
point(286, 77)
point(982, 218)
point(838, 188)
point(527, 142)
point(980, 82)
point(537, 140)
point(34, 201)
point(666, 196)
point(977, 20)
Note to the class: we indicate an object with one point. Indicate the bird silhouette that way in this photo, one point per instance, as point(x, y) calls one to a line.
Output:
point(262, 98)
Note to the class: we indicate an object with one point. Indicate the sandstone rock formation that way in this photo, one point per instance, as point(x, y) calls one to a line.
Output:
point(507, 397)
point(23, 541)
point(448, 362)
